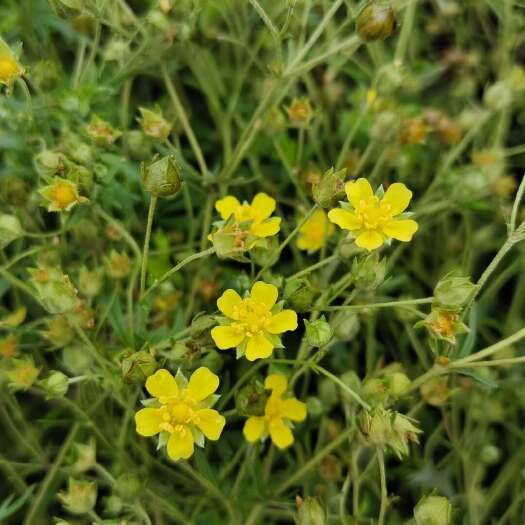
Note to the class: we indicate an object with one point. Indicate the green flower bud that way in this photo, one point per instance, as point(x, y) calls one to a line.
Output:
point(328, 392)
point(404, 430)
point(490, 454)
point(299, 294)
point(54, 288)
point(265, 251)
point(80, 497)
point(213, 361)
point(318, 332)
point(136, 367)
point(498, 96)
point(49, 162)
point(22, 374)
point(59, 332)
point(90, 281)
point(55, 385)
point(113, 505)
point(154, 124)
point(14, 191)
point(375, 391)
point(351, 380)
point(81, 176)
point(76, 359)
point(375, 426)
point(453, 292)
point(314, 406)
point(250, 400)
point(368, 272)
point(433, 510)
point(398, 384)
point(311, 513)
point(10, 229)
point(129, 486)
point(376, 21)
point(330, 189)
point(345, 325)
point(163, 177)
point(85, 456)
point(385, 127)
point(102, 133)
point(138, 146)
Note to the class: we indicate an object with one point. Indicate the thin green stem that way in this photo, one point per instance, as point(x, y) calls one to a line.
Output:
point(384, 493)
point(145, 251)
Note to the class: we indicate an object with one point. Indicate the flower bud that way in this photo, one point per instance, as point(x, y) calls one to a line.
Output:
point(163, 177)
point(330, 189)
point(10, 229)
point(315, 407)
point(490, 454)
point(328, 392)
point(300, 112)
point(398, 384)
point(54, 288)
point(102, 133)
point(498, 96)
point(76, 359)
point(10, 68)
point(318, 333)
point(385, 127)
point(351, 380)
point(117, 264)
point(435, 392)
point(453, 292)
point(137, 145)
point(50, 162)
point(213, 361)
point(375, 426)
point(368, 272)
point(85, 456)
point(90, 281)
point(59, 332)
point(250, 400)
point(80, 497)
point(299, 294)
point(14, 319)
point(310, 512)
point(345, 325)
point(55, 385)
point(444, 324)
point(129, 486)
point(404, 431)
point(375, 391)
point(433, 510)
point(330, 469)
point(8, 346)
point(265, 252)
point(154, 124)
point(376, 21)
point(136, 367)
point(22, 374)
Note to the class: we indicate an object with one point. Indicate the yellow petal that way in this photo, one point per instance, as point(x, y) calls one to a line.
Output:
point(180, 444)
point(227, 206)
point(282, 322)
point(277, 383)
point(162, 384)
point(264, 293)
point(227, 336)
point(281, 434)
point(228, 302)
point(294, 409)
point(262, 207)
point(370, 240)
point(258, 348)
point(203, 383)
point(266, 228)
point(344, 219)
point(398, 197)
point(148, 421)
point(358, 190)
point(210, 423)
point(402, 230)
point(254, 428)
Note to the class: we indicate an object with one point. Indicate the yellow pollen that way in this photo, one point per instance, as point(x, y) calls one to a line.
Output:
point(64, 195)
point(8, 69)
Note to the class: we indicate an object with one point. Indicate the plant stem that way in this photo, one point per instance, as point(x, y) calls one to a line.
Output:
point(384, 493)
point(145, 251)
point(389, 304)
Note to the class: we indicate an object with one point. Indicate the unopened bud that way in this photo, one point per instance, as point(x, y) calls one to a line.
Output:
point(10, 229)
point(433, 510)
point(55, 385)
point(318, 332)
point(299, 294)
point(136, 367)
point(453, 292)
point(376, 21)
point(330, 189)
point(80, 497)
point(310, 512)
point(163, 177)
point(251, 399)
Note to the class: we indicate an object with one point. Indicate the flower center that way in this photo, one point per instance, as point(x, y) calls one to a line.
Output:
point(64, 195)
point(373, 213)
point(176, 415)
point(273, 409)
point(243, 213)
point(252, 317)
point(8, 69)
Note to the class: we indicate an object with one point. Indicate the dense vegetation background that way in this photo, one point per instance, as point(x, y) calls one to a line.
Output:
point(123, 99)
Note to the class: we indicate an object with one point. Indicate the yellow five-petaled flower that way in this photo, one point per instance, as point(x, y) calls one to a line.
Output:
point(10, 68)
point(314, 233)
point(373, 219)
point(252, 325)
point(62, 195)
point(181, 411)
point(257, 214)
point(278, 413)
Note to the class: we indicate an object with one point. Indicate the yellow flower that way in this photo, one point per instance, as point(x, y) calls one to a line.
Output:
point(257, 214)
point(278, 413)
point(62, 195)
point(314, 233)
point(181, 411)
point(254, 323)
point(371, 218)
point(10, 68)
